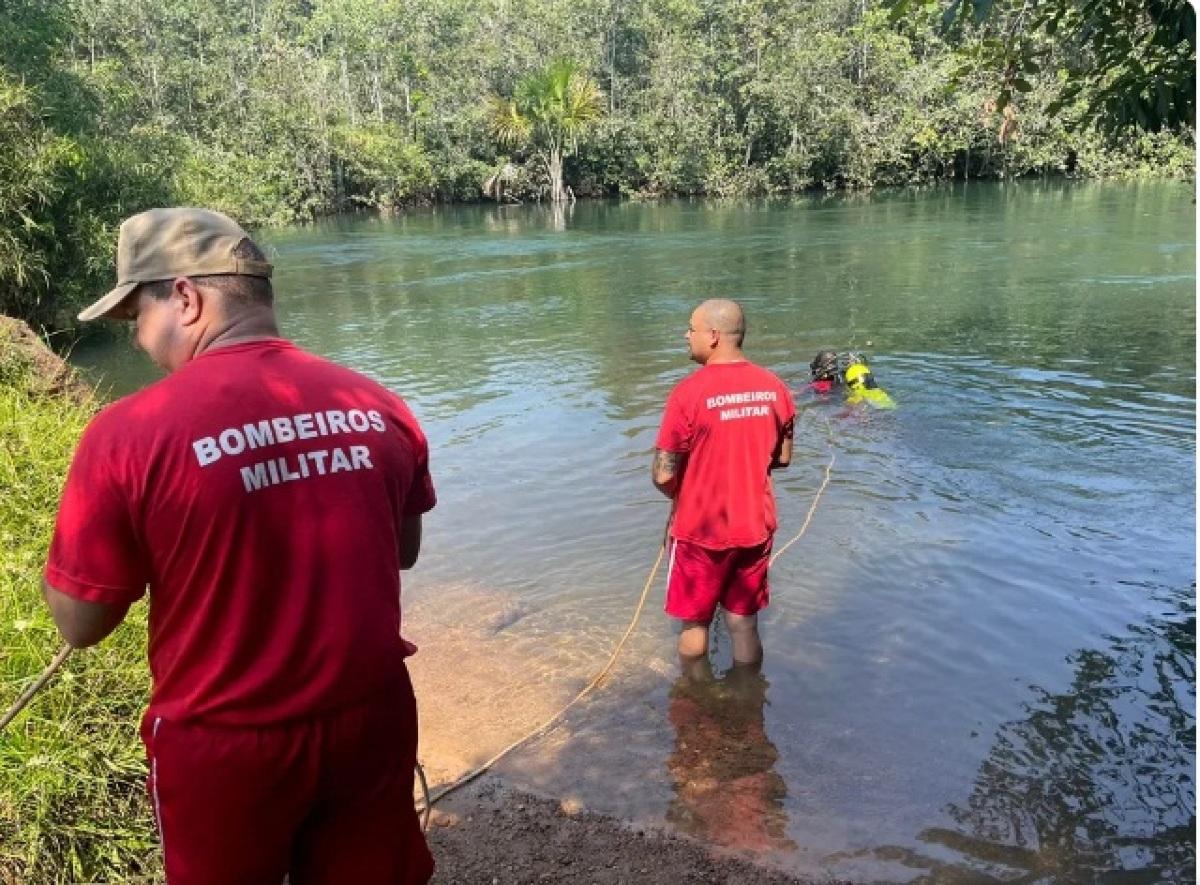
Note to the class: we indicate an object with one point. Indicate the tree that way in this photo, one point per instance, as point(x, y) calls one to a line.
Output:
point(1126, 62)
point(549, 111)
point(63, 187)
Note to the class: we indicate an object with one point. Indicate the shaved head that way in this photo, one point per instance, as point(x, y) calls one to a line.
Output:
point(715, 332)
point(725, 316)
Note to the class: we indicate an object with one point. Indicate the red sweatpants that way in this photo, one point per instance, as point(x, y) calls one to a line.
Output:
point(325, 800)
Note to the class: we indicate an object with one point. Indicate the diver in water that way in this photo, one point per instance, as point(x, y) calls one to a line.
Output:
point(825, 372)
point(861, 386)
point(831, 371)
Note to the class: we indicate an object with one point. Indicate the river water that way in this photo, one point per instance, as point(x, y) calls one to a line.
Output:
point(980, 656)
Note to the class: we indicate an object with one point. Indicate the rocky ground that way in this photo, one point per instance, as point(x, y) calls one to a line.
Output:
point(494, 835)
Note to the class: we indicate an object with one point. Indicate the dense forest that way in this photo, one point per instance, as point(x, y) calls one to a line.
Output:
point(281, 110)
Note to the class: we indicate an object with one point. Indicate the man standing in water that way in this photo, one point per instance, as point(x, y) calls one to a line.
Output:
point(268, 499)
point(725, 428)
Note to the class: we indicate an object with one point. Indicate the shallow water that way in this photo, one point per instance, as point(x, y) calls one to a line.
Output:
point(980, 657)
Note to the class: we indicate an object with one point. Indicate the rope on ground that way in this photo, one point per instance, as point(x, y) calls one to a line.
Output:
point(424, 795)
point(27, 695)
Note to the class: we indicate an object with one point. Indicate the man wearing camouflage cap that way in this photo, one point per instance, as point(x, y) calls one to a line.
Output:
point(268, 500)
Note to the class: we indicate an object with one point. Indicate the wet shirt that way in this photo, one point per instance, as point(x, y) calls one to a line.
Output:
point(258, 492)
point(726, 419)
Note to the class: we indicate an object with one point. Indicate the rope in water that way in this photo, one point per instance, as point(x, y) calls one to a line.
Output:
point(541, 729)
point(476, 772)
point(811, 510)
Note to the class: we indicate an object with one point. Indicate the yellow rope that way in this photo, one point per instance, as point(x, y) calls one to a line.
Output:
point(811, 510)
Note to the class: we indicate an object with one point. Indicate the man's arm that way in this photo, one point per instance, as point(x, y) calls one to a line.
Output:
point(82, 623)
point(783, 449)
point(410, 541)
point(665, 472)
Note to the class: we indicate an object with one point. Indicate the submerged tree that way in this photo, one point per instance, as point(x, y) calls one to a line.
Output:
point(549, 111)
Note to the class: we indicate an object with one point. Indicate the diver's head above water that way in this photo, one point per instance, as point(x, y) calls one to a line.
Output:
point(858, 374)
point(824, 371)
point(861, 386)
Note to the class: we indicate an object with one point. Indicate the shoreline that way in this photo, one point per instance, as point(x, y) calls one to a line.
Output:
point(494, 834)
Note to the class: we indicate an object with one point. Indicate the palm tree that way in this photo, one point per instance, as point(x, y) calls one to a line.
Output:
point(549, 110)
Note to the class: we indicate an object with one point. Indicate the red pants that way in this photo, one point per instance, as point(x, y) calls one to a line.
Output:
point(698, 579)
point(324, 800)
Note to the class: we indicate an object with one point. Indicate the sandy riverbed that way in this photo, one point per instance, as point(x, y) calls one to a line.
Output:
point(480, 687)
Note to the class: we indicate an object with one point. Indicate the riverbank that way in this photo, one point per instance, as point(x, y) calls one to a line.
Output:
point(489, 833)
point(72, 774)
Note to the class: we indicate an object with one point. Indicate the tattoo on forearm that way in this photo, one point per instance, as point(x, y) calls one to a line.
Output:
point(665, 462)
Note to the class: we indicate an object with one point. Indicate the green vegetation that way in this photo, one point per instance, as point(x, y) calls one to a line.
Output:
point(72, 771)
point(1122, 62)
point(280, 110)
point(551, 110)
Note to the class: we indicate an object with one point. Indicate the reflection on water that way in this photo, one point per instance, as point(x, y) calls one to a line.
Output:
point(1096, 783)
point(727, 791)
point(1099, 777)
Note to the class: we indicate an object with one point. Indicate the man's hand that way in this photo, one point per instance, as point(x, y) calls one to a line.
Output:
point(82, 623)
point(665, 472)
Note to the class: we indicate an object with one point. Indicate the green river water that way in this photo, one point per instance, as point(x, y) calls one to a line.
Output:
point(980, 657)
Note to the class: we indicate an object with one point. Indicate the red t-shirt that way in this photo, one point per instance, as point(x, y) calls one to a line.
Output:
point(258, 491)
point(727, 420)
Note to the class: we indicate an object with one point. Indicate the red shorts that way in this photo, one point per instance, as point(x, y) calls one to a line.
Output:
point(323, 800)
point(698, 579)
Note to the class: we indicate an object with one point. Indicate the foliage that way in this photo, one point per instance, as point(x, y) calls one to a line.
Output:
point(549, 112)
point(61, 197)
point(281, 110)
point(257, 189)
point(382, 168)
point(63, 188)
point(1125, 62)
point(72, 790)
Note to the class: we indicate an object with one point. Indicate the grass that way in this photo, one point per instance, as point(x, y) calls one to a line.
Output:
point(72, 771)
